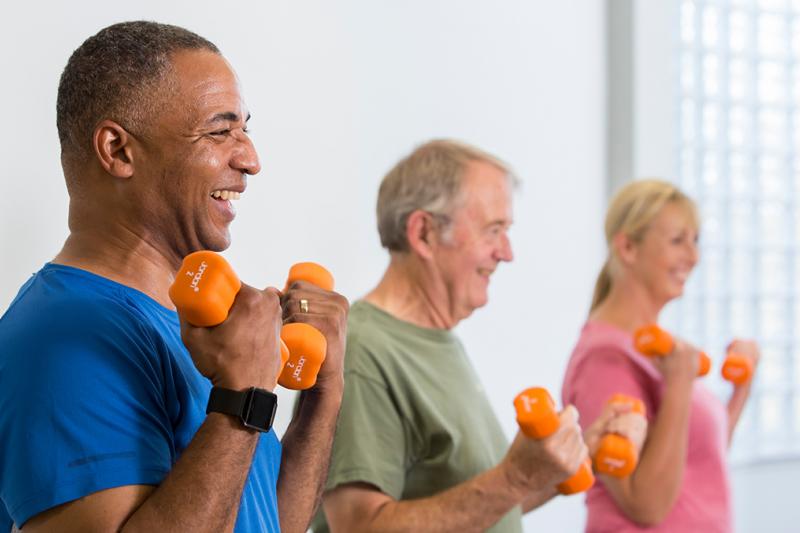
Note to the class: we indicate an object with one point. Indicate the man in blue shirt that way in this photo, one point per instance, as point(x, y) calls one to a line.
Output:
point(104, 389)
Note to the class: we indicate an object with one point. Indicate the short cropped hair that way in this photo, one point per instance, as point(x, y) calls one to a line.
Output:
point(428, 179)
point(117, 74)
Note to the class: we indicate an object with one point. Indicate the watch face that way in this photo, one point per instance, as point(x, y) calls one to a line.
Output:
point(261, 409)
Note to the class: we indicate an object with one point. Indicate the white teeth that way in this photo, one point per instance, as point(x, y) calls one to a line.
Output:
point(226, 195)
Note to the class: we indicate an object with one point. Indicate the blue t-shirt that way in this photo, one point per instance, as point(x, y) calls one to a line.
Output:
point(97, 391)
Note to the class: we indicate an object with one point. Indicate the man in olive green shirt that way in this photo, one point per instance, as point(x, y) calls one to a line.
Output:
point(417, 447)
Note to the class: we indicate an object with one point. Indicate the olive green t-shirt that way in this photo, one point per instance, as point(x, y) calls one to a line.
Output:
point(414, 419)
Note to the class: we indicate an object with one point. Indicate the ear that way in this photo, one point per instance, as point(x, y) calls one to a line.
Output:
point(112, 146)
point(420, 233)
point(625, 248)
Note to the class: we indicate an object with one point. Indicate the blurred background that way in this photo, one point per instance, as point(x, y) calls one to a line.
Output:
point(579, 96)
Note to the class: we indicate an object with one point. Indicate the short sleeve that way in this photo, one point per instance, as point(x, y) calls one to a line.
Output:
point(5, 521)
point(371, 444)
point(82, 407)
point(599, 376)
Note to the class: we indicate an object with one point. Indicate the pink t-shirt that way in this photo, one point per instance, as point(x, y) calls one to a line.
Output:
point(605, 362)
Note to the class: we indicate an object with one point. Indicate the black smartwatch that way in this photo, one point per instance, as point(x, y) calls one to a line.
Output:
point(254, 407)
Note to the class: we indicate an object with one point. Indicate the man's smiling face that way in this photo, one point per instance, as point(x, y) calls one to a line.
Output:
point(196, 155)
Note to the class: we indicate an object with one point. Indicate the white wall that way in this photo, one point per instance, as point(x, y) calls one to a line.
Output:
point(339, 91)
point(765, 496)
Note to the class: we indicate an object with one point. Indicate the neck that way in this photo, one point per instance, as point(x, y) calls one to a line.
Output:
point(628, 306)
point(121, 254)
point(410, 291)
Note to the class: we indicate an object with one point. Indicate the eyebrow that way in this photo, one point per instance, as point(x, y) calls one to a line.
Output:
point(228, 116)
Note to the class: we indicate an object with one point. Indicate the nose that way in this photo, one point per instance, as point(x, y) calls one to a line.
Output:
point(504, 252)
point(694, 253)
point(245, 158)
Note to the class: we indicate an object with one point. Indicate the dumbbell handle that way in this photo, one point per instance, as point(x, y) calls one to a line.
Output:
point(653, 341)
point(538, 419)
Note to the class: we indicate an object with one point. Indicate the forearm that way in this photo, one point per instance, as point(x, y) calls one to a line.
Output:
point(538, 498)
point(736, 406)
point(306, 457)
point(474, 505)
point(203, 490)
point(649, 493)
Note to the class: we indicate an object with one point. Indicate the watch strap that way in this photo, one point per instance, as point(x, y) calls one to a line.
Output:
point(254, 407)
point(227, 401)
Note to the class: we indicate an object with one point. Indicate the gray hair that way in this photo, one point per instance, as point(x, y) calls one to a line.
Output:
point(428, 179)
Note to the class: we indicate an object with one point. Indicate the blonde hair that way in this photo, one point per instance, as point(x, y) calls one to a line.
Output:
point(428, 179)
point(631, 211)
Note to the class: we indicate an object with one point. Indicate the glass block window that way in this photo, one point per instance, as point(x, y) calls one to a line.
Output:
point(737, 103)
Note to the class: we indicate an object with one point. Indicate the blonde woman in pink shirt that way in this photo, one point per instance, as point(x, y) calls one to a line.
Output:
point(681, 482)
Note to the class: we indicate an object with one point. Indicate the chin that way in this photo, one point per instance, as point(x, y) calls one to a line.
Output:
point(480, 302)
point(673, 293)
point(216, 243)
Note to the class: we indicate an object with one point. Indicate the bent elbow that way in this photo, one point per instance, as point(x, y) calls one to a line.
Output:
point(647, 521)
point(647, 514)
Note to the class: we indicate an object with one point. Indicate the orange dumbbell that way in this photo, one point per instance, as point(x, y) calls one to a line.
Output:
point(653, 341)
point(617, 456)
point(307, 346)
point(738, 368)
point(310, 272)
point(204, 291)
point(538, 419)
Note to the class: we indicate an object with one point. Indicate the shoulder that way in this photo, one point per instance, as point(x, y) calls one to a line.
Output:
point(71, 316)
point(68, 296)
point(367, 342)
point(58, 317)
point(604, 351)
point(605, 362)
point(600, 344)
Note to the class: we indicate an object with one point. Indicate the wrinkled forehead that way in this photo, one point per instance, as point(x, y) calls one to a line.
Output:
point(486, 190)
point(205, 82)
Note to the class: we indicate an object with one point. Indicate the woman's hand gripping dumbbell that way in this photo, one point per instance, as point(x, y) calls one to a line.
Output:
point(653, 342)
point(205, 291)
point(622, 428)
point(740, 362)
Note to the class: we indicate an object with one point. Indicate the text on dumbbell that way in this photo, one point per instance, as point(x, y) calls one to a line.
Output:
point(197, 277)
